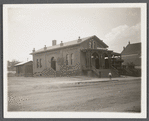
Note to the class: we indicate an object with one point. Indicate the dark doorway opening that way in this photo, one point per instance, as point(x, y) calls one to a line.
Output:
point(106, 63)
point(95, 60)
point(97, 63)
point(53, 63)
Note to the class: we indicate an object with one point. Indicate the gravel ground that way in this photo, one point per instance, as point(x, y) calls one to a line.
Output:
point(74, 94)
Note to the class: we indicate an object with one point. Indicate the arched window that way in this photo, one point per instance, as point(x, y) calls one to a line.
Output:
point(37, 63)
point(53, 63)
point(90, 44)
point(94, 44)
point(72, 58)
point(67, 59)
point(40, 63)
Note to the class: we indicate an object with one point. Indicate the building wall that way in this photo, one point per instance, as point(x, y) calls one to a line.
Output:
point(22, 70)
point(60, 57)
point(135, 58)
point(62, 69)
point(85, 44)
point(43, 64)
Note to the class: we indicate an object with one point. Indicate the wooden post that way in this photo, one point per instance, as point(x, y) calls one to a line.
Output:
point(99, 60)
point(88, 59)
point(102, 61)
point(109, 59)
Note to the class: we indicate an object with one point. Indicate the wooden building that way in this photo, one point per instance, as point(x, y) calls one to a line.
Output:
point(132, 54)
point(84, 56)
point(24, 69)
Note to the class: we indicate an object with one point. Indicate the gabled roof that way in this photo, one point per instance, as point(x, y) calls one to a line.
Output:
point(67, 44)
point(22, 63)
point(132, 49)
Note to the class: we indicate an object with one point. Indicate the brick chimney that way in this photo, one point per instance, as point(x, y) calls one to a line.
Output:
point(33, 50)
point(129, 42)
point(53, 42)
point(45, 47)
point(79, 40)
point(123, 48)
point(61, 44)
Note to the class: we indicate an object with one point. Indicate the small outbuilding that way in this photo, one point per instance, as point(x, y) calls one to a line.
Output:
point(24, 69)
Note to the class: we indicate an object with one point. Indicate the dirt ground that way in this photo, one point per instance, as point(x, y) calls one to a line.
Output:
point(73, 94)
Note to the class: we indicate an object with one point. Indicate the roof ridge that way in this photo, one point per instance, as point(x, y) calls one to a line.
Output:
point(66, 44)
point(73, 40)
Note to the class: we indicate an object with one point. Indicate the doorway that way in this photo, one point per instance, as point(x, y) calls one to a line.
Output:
point(106, 61)
point(95, 60)
point(53, 63)
point(97, 63)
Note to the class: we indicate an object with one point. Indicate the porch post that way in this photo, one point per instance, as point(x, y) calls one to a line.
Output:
point(99, 60)
point(109, 59)
point(88, 59)
point(103, 61)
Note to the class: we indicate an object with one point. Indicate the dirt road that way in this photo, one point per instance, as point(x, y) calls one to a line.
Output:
point(40, 94)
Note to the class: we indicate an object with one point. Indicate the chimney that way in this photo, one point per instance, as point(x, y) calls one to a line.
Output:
point(61, 44)
point(53, 42)
point(33, 50)
point(123, 48)
point(79, 40)
point(129, 42)
point(45, 47)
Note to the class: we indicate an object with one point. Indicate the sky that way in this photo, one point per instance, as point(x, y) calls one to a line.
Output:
point(36, 26)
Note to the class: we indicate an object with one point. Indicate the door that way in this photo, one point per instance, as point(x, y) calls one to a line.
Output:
point(53, 63)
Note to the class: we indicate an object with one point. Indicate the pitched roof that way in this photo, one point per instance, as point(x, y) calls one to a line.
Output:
point(66, 44)
point(22, 63)
point(132, 49)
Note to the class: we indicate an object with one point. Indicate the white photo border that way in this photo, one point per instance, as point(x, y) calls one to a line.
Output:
point(143, 113)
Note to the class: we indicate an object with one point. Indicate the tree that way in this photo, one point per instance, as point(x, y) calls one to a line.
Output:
point(11, 64)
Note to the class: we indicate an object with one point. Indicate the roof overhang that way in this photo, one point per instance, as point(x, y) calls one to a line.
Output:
point(61, 47)
point(90, 49)
point(116, 54)
point(22, 63)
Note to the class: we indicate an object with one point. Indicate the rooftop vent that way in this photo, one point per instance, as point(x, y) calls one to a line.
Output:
point(45, 47)
point(79, 40)
point(33, 50)
point(53, 42)
point(61, 44)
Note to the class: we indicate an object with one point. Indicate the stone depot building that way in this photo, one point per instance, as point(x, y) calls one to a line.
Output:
point(85, 56)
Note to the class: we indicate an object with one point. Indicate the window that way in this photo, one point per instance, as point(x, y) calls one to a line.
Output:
point(67, 59)
point(37, 63)
point(72, 58)
point(40, 63)
point(90, 44)
point(94, 45)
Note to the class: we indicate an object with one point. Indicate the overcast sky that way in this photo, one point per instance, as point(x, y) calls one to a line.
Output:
point(33, 27)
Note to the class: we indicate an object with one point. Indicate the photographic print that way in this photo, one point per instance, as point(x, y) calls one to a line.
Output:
point(74, 60)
